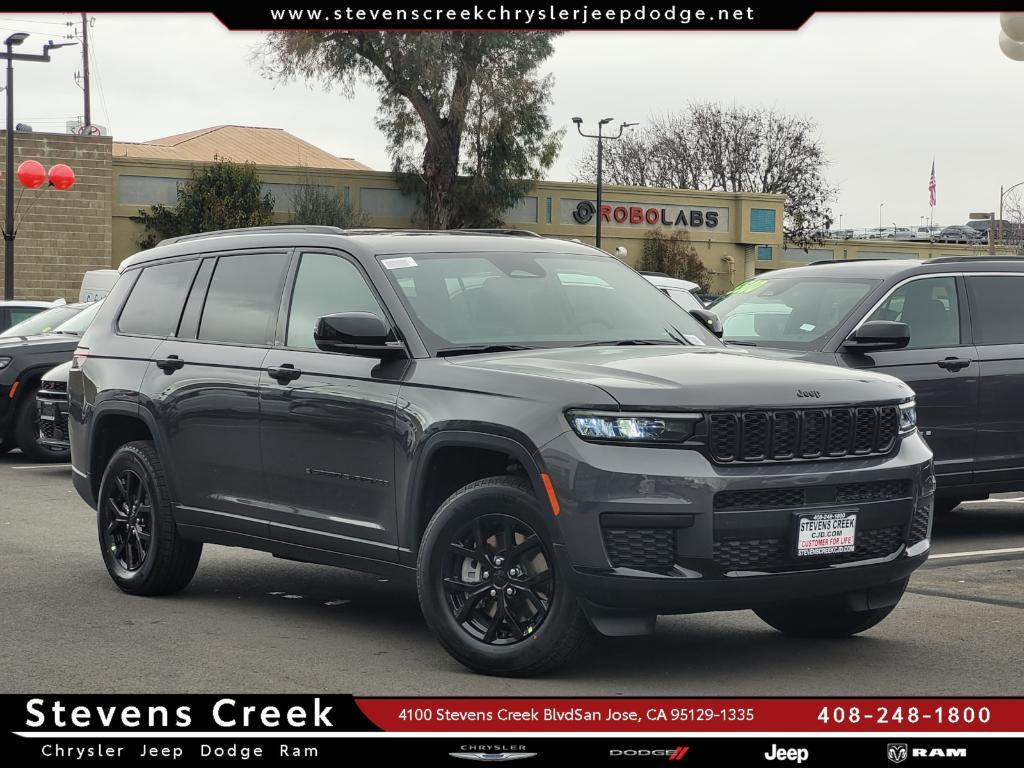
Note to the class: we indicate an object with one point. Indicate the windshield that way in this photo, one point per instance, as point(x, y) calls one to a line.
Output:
point(80, 323)
point(535, 300)
point(44, 322)
point(789, 312)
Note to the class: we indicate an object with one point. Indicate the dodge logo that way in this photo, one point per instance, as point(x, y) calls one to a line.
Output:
point(584, 212)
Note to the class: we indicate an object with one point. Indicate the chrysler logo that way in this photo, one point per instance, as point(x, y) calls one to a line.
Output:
point(492, 757)
point(584, 212)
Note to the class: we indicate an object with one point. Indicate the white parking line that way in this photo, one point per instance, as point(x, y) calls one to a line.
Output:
point(43, 466)
point(1016, 500)
point(976, 553)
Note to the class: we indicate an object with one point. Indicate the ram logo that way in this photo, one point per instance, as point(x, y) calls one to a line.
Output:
point(896, 753)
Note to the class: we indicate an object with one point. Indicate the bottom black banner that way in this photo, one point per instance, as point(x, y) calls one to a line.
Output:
point(585, 750)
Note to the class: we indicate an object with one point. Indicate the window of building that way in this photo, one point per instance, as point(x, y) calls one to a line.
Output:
point(996, 309)
point(389, 203)
point(764, 253)
point(762, 219)
point(326, 285)
point(930, 307)
point(147, 190)
point(154, 306)
point(284, 194)
point(523, 212)
point(243, 299)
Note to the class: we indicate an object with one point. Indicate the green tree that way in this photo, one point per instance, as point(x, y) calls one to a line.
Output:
point(317, 204)
point(464, 113)
point(675, 256)
point(223, 195)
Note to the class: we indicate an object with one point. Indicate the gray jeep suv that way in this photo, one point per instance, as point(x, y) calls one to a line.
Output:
point(527, 426)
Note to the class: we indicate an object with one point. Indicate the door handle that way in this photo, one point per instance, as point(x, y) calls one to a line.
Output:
point(284, 373)
point(953, 363)
point(170, 363)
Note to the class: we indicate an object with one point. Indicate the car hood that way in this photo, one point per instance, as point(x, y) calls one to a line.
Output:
point(55, 340)
point(697, 377)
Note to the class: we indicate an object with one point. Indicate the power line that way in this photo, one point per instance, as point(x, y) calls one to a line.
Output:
point(36, 21)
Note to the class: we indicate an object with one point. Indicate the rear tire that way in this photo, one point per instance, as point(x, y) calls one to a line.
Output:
point(26, 431)
point(488, 583)
point(139, 540)
point(812, 619)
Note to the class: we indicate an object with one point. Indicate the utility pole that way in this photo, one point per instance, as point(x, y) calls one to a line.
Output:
point(601, 138)
point(85, 68)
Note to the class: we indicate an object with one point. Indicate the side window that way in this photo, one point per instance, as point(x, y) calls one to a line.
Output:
point(929, 306)
point(996, 309)
point(325, 285)
point(154, 306)
point(243, 298)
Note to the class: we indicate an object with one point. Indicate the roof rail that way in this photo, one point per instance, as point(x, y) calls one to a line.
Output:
point(496, 231)
point(954, 259)
point(849, 261)
point(311, 228)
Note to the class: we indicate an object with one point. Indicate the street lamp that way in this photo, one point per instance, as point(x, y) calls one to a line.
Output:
point(16, 39)
point(880, 207)
point(600, 159)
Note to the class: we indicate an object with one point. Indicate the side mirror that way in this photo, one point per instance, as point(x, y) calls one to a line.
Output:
point(709, 320)
point(356, 333)
point(876, 335)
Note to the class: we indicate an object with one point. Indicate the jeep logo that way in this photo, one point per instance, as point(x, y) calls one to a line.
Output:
point(808, 393)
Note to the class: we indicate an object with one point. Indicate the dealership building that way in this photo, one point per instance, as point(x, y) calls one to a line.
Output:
point(63, 234)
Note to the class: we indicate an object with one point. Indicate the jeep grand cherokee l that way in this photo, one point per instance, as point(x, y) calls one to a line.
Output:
point(951, 327)
point(546, 441)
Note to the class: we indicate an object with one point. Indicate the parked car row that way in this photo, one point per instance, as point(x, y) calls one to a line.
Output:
point(951, 234)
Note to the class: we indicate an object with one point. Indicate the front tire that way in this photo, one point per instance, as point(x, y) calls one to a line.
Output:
point(488, 583)
point(141, 547)
point(819, 620)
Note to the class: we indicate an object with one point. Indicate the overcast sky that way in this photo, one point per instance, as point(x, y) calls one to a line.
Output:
point(889, 92)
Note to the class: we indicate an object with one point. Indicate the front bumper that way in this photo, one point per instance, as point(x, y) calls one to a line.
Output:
point(53, 420)
point(658, 531)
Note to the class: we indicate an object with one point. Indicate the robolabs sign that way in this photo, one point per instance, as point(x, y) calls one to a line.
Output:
point(645, 215)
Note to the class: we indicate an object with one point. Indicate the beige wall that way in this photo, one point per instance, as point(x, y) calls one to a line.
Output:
point(844, 250)
point(61, 235)
point(729, 249)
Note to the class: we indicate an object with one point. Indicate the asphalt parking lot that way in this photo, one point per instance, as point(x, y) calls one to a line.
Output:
point(252, 623)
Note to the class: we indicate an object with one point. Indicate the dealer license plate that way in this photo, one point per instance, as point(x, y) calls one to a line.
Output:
point(826, 533)
point(47, 411)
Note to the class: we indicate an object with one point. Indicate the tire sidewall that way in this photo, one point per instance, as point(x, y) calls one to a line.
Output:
point(128, 457)
point(455, 514)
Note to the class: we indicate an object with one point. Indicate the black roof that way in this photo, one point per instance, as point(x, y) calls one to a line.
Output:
point(366, 241)
point(883, 269)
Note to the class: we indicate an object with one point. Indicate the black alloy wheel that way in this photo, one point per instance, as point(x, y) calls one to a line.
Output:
point(128, 521)
point(498, 579)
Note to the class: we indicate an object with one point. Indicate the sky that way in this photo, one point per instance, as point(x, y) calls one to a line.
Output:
point(888, 91)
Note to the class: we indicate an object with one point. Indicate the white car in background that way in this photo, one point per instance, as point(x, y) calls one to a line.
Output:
point(682, 292)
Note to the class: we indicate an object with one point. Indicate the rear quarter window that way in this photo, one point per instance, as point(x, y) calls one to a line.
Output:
point(155, 303)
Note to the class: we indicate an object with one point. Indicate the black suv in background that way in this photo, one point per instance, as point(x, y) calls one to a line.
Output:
point(23, 361)
point(952, 328)
point(527, 425)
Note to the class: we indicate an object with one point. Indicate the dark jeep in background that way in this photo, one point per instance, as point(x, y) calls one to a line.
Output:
point(951, 327)
point(541, 437)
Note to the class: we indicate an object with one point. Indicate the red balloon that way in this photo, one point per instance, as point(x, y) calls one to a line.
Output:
point(61, 176)
point(31, 174)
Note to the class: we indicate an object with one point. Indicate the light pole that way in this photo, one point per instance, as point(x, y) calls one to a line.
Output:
point(991, 216)
point(16, 39)
point(600, 159)
point(880, 207)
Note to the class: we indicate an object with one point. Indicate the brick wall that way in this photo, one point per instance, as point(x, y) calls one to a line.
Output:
point(60, 235)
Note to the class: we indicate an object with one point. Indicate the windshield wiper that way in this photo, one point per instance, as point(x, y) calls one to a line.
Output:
point(480, 349)
point(629, 343)
point(740, 343)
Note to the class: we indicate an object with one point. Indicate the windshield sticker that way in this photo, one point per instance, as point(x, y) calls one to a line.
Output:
point(400, 263)
point(807, 327)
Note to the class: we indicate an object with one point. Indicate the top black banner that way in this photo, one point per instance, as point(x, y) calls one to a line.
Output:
point(597, 15)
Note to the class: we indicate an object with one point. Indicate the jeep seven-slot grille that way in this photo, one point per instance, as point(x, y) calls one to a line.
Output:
point(814, 433)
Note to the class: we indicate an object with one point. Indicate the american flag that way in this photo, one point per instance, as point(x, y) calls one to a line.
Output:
point(931, 187)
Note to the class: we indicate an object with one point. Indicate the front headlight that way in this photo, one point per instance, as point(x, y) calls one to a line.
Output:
point(4, 362)
point(908, 417)
point(633, 427)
